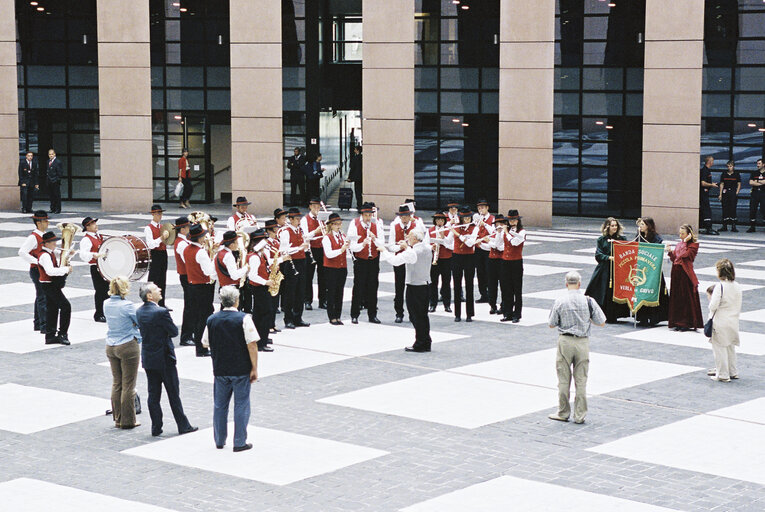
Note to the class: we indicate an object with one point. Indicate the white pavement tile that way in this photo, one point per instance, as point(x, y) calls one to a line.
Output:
point(530, 269)
point(542, 238)
point(27, 409)
point(755, 263)
point(607, 372)
point(348, 293)
point(277, 457)
point(547, 294)
point(15, 294)
point(20, 226)
point(741, 273)
point(357, 340)
point(561, 258)
point(508, 493)
point(529, 316)
point(29, 495)
point(688, 444)
point(751, 343)
point(450, 399)
point(134, 216)
point(757, 315)
point(78, 221)
point(565, 234)
point(13, 242)
point(15, 215)
point(19, 338)
point(16, 263)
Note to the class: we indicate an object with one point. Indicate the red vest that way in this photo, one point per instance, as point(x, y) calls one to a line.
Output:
point(238, 217)
point(371, 252)
point(339, 261)
point(296, 240)
point(313, 224)
point(95, 242)
point(44, 277)
point(443, 252)
point(461, 247)
point(180, 266)
point(401, 232)
point(193, 269)
point(512, 252)
point(37, 251)
point(224, 278)
point(484, 231)
point(155, 234)
point(493, 253)
point(263, 270)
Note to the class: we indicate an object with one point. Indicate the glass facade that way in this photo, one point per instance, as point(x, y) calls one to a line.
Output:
point(293, 81)
point(598, 106)
point(57, 58)
point(456, 101)
point(190, 93)
point(733, 93)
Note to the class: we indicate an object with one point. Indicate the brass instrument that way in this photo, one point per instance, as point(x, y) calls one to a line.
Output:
point(169, 228)
point(68, 230)
point(436, 248)
point(242, 241)
point(275, 275)
point(204, 220)
point(246, 222)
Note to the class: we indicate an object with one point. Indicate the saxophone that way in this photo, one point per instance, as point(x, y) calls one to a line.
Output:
point(275, 276)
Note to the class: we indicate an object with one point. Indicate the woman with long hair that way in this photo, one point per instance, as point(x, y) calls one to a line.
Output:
point(511, 277)
point(601, 287)
point(650, 316)
point(684, 304)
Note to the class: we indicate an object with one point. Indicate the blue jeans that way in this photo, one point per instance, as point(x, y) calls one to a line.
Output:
point(222, 389)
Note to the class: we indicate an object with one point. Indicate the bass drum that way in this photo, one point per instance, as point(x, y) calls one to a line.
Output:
point(126, 255)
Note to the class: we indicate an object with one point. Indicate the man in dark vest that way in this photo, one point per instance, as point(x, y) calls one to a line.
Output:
point(233, 343)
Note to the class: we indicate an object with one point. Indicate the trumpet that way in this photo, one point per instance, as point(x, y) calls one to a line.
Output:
point(68, 230)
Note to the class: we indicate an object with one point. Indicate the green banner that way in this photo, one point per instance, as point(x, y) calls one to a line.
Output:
point(645, 276)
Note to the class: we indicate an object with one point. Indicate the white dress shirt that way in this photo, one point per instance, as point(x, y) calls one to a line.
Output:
point(29, 245)
point(516, 237)
point(152, 242)
point(86, 244)
point(468, 240)
point(231, 223)
point(254, 261)
point(284, 240)
point(309, 235)
point(46, 262)
point(184, 242)
point(250, 334)
point(418, 260)
point(354, 236)
point(329, 252)
point(233, 270)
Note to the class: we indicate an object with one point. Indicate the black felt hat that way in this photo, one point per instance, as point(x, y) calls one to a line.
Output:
point(49, 236)
point(196, 231)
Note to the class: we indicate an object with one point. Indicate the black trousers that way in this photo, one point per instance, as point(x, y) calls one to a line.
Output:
point(261, 312)
point(729, 205)
point(366, 280)
point(705, 211)
point(313, 188)
point(27, 197)
point(40, 318)
point(54, 192)
point(399, 274)
point(274, 303)
point(315, 266)
point(158, 271)
point(357, 189)
point(293, 287)
point(482, 272)
point(101, 287)
point(417, 307)
point(757, 200)
point(167, 377)
point(511, 280)
point(494, 273)
point(442, 269)
point(201, 305)
point(187, 325)
point(463, 265)
point(335, 287)
point(297, 187)
point(188, 189)
point(245, 299)
point(58, 311)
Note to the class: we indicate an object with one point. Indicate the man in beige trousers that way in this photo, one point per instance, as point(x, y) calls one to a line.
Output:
point(572, 314)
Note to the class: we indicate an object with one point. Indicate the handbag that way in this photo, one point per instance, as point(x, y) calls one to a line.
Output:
point(708, 326)
point(178, 189)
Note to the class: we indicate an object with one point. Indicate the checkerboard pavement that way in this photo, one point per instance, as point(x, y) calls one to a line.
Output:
point(343, 419)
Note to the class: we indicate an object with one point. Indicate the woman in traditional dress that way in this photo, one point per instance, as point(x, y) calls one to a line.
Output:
point(601, 287)
point(684, 303)
point(650, 316)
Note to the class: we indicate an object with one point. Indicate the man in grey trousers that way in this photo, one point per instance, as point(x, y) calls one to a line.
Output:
point(572, 314)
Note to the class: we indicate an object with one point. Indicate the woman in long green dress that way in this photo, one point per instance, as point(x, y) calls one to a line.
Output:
point(650, 316)
point(601, 287)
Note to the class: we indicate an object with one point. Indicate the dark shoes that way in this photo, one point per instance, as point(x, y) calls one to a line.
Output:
point(308, 307)
point(189, 431)
point(156, 432)
point(247, 446)
point(448, 309)
point(302, 324)
point(289, 325)
point(323, 304)
point(61, 339)
point(205, 353)
point(187, 343)
point(335, 322)
point(493, 310)
point(457, 319)
point(724, 228)
point(374, 320)
point(751, 229)
point(431, 309)
point(355, 320)
point(469, 319)
point(516, 320)
point(399, 319)
point(416, 349)
point(482, 300)
point(265, 348)
point(734, 229)
point(100, 319)
point(505, 319)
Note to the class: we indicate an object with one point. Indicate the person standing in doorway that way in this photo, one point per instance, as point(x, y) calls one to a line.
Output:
point(184, 176)
point(295, 164)
point(28, 182)
point(355, 176)
point(730, 186)
point(707, 183)
point(55, 174)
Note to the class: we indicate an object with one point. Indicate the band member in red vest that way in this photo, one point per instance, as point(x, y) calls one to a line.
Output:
point(366, 238)
point(241, 218)
point(155, 241)
point(52, 278)
point(272, 253)
point(335, 267)
point(182, 225)
point(511, 278)
point(89, 253)
point(485, 222)
point(464, 237)
point(496, 247)
point(258, 279)
point(29, 251)
point(293, 245)
point(399, 228)
point(226, 267)
point(201, 274)
point(442, 263)
point(313, 233)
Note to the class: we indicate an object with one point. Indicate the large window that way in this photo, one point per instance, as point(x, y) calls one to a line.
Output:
point(293, 82)
point(733, 104)
point(597, 139)
point(347, 39)
point(456, 101)
point(57, 56)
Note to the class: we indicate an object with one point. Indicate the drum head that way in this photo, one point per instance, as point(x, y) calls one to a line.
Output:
point(120, 259)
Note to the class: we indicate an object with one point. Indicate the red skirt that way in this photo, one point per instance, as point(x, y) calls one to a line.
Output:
point(684, 303)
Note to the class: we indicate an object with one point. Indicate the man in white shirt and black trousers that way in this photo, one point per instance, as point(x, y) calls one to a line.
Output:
point(29, 251)
point(52, 279)
point(417, 256)
point(155, 241)
point(90, 253)
point(201, 275)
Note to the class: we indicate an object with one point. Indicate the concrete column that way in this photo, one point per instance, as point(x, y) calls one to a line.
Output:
point(256, 102)
point(124, 96)
point(388, 102)
point(526, 66)
point(674, 44)
point(9, 109)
